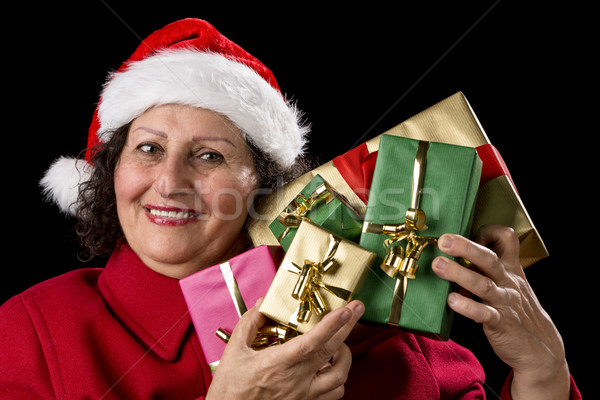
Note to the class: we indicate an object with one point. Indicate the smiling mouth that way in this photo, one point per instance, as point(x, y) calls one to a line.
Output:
point(172, 213)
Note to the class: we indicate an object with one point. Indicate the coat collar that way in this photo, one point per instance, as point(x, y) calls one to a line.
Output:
point(149, 304)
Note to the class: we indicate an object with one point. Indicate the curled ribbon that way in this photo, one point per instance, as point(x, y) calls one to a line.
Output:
point(403, 260)
point(398, 259)
point(268, 335)
point(310, 282)
point(300, 206)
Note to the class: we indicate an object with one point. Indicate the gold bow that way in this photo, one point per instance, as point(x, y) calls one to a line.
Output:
point(398, 259)
point(300, 206)
point(268, 335)
point(310, 281)
point(403, 260)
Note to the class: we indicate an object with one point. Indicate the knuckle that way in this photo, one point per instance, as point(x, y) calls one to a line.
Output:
point(521, 283)
point(513, 283)
point(491, 257)
point(473, 251)
point(340, 379)
point(514, 315)
point(487, 287)
point(347, 350)
point(306, 349)
point(489, 316)
point(514, 299)
point(507, 232)
point(508, 235)
point(310, 351)
point(478, 313)
point(339, 392)
point(323, 352)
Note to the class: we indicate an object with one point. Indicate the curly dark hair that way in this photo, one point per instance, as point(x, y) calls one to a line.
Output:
point(98, 227)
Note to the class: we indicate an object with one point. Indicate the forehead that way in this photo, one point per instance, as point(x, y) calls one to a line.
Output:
point(175, 121)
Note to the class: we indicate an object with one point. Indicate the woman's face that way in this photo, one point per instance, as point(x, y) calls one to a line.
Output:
point(184, 184)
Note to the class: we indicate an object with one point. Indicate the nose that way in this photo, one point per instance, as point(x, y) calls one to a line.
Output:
point(173, 178)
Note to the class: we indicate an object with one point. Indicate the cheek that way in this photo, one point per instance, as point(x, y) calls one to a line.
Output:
point(230, 196)
point(129, 185)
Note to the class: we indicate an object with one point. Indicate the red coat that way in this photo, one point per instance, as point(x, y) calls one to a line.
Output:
point(123, 332)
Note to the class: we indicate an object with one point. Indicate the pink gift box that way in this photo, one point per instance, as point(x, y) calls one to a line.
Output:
point(211, 303)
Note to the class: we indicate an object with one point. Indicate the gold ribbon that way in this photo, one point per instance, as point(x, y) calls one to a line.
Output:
point(401, 261)
point(310, 282)
point(300, 206)
point(233, 288)
point(268, 335)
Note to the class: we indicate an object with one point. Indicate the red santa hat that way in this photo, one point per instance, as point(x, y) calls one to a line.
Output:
point(187, 62)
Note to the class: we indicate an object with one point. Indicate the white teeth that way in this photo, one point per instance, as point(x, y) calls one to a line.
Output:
point(171, 214)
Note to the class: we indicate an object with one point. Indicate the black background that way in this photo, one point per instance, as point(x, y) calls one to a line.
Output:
point(355, 71)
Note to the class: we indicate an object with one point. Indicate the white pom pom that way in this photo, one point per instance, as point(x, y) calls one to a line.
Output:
point(61, 182)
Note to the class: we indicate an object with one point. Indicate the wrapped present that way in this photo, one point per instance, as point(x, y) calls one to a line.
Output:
point(217, 296)
point(320, 272)
point(420, 190)
point(451, 121)
point(320, 203)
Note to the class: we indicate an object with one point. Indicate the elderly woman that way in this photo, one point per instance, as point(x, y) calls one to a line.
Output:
point(188, 133)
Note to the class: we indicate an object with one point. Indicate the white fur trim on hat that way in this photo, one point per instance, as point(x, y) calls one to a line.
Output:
point(211, 81)
point(61, 182)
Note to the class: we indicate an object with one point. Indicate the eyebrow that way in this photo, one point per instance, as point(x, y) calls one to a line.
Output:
point(194, 138)
point(152, 131)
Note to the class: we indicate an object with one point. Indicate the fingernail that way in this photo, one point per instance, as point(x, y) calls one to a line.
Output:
point(346, 315)
point(357, 307)
point(451, 298)
point(447, 241)
point(440, 263)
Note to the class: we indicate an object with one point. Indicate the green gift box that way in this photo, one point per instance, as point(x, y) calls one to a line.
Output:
point(420, 190)
point(321, 204)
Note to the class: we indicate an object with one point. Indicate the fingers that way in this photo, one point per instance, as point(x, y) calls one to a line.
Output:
point(503, 241)
point(484, 258)
point(317, 345)
point(480, 285)
point(495, 255)
point(494, 251)
point(316, 362)
point(329, 381)
point(323, 340)
point(478, 312)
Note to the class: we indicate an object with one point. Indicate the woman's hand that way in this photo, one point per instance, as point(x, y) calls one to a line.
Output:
point(517, 327)
point(314, 365)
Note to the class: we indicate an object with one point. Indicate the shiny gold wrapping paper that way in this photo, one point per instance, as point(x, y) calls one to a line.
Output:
point(270, 206)
point(452, 121)
point(311, 243)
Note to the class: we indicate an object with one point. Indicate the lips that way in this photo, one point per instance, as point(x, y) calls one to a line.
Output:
point(171, 215)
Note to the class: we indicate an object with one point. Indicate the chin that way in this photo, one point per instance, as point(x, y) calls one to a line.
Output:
point(189, 254)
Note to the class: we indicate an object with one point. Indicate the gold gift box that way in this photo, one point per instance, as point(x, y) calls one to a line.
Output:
point(328, 269)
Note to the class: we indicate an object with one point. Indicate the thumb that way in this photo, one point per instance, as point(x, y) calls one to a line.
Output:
point(244, 333)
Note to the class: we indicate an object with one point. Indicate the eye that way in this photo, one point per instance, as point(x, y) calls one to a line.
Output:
point(147, 148)
point(211, 157)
